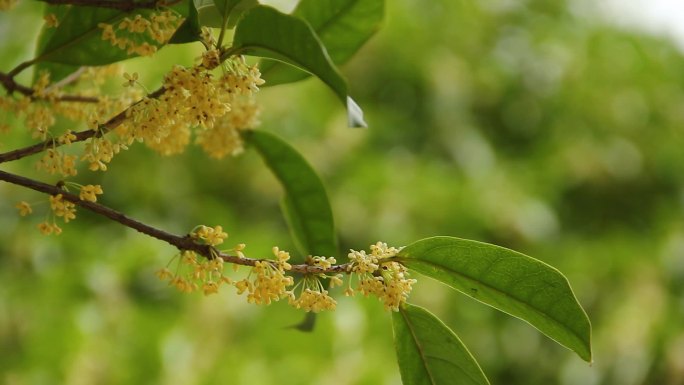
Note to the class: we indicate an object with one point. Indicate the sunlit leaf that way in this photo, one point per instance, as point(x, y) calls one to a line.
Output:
point(305, 204)
point(57, 71)
point(506, 280)
point(233, 9)
point(209, 13)
point(291, 40)
point(78, 38)
point(190, 30)
point(429, 353)
point(342, 25)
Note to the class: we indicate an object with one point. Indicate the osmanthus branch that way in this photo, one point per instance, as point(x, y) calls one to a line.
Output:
point(181, 242)
point(113, 4)
point(80, 136)
point(11, 86)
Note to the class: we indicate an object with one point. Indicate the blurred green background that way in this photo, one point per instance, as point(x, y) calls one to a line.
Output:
point(531, 124)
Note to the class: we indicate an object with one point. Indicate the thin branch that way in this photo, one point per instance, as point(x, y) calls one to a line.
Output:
point(22, 66)
point(72, 77)
point(11, 86)
point(80, 136)
point(181, 242)
point(50, 143)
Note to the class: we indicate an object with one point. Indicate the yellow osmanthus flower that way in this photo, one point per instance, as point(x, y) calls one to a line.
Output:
point(322, 262)
point(386, 279)
point(90, 192)
point(336, 281)
point(207, 37)
point(39, 119)
point(47, 228)
point(210, 236)
point(135, 35)
point(269, 282)
point(99, 151)
point(224, 137)
point(67, 137)
point(51, 20)
point(131, 79)
point(24, 208)
point(192, 274)
point(313, 297)
point(211, 59)
point(62, 208)
point(57, 162)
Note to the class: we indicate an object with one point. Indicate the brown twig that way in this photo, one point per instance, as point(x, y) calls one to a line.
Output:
point(80, 136)
point(71, 78)
point(11, 86)
point(181, 242)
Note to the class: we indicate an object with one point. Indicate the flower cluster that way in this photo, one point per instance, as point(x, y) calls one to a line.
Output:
point(59, 206)
point(212, 236)
point(216, 108)
point(24, 208)
point(90, 192)
point(41, 110)
point(140, 34)
point(313, 297)
point(267, 281)
point(57, 162)
point(62, 208)
point(386, 279)
point(193, 274)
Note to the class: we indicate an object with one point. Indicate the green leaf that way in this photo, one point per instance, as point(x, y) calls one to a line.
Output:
point(429, 353)
point(191, 30)
point(57, 71)
point(180, 8)
point(291, 40)
point(209, 14)
point(506, 280)
point(306, 204)
point(78, 39)
point(342, 25)
point(233, 9)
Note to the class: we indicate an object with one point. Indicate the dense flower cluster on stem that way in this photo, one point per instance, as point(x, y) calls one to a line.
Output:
point(270, 280)
point(194, 274)
point(386, 279)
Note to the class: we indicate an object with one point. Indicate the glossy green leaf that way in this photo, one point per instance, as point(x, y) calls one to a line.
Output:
point(78, 39)
point(506, 280)
point(342, 25)
point(291, 40)
point(429, 353)
point(57, 71)
point(233, 9)
point(306, 204)
point(190, 30)
point(209, 13)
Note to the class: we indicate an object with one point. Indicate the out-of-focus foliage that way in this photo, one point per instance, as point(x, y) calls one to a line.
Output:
point(526, 124)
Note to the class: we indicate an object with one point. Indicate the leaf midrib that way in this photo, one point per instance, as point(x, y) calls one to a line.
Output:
point(337, 16)
point(418, 346)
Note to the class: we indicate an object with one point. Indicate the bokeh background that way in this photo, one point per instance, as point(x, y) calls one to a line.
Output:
point(536, 125)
